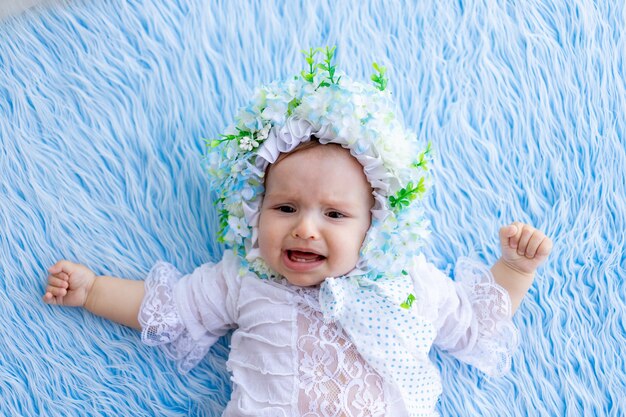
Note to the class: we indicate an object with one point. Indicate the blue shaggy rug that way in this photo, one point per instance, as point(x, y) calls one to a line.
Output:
point(103, 109)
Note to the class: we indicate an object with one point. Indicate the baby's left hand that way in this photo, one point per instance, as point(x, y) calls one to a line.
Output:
point(524, 248)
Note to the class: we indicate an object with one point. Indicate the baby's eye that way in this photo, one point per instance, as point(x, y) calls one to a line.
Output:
point(286, 209)
point(335, 215)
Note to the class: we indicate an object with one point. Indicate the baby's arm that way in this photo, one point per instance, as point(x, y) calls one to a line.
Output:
point(524, 248)
point(75, 285)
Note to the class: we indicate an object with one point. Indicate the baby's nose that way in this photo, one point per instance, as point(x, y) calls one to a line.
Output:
point(305, 228)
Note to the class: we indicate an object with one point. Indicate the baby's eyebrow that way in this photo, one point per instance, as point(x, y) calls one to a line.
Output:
point(278, 195)
point(337, 203)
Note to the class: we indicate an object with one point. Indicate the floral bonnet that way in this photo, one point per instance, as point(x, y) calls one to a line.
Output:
point(321, 103)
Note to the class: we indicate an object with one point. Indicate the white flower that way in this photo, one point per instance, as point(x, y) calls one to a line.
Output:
point(248, 119)
point(263, 133)
point(238, 226)
point(247, 192)
point(276, 109)
point(248, 143)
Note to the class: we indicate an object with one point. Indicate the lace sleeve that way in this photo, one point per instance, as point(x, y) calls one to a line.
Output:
point(163, 323)
point(477, 326)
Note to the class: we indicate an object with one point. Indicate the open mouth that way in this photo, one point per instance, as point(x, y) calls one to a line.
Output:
point(304, 257)
point(302, 261)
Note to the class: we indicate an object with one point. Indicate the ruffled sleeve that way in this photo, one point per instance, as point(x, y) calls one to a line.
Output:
point(472, 315)
point(185, 315)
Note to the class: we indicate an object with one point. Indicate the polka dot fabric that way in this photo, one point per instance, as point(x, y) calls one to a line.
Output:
point(394, 340)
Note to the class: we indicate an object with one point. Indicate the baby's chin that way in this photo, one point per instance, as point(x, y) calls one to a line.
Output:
point(312, 280)
point(304, 281)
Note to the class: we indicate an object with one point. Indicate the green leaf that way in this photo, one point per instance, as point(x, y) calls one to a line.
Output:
point(421, 186)
point(380, 69)
point(307, 76)
point(422, 159)
point(406, 195)
point(310, 59)
point(408, 302)
point(327, 66)
point(292, 105)
point(379, 79)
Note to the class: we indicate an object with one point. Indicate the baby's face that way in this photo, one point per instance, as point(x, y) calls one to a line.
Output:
point(315, 214)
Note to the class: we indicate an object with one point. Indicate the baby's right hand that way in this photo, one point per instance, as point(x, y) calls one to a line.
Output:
point(68, 284)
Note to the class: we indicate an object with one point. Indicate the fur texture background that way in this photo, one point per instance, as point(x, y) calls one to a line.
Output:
point(103, 109)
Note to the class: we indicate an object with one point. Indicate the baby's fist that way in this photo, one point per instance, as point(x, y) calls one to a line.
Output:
point(524, 248)
point(68, 284)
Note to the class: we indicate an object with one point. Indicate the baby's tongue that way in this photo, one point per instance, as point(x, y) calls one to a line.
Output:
point(296, 255)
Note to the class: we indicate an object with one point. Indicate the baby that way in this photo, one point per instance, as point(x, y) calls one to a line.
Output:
point(333, 308)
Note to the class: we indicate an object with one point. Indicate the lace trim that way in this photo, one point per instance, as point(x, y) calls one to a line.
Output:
point(161, 322)
point(334, 378)
point(497, 335)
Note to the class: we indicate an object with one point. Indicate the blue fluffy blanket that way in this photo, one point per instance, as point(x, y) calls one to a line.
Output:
point(103, 109)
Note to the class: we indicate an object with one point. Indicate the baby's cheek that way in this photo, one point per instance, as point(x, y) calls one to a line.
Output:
point(263, 242)
point(353, 249)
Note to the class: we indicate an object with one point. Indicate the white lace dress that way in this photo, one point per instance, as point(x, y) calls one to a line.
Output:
point(286, 360)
